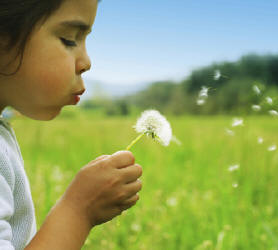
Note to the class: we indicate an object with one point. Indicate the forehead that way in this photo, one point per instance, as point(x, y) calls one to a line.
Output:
point(75, 14)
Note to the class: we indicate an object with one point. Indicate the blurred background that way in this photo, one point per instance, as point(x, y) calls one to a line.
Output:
point(160, 53)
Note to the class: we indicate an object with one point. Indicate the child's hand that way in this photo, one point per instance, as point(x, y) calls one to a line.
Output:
point(105, 187)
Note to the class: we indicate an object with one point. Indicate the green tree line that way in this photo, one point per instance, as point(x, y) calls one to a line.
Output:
point(230, 89)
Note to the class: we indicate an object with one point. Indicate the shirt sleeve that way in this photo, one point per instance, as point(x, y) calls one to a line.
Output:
point(6, 203)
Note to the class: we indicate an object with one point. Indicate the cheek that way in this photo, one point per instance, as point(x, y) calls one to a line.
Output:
point(51, 76)
point(48, 69)
point(57, 77)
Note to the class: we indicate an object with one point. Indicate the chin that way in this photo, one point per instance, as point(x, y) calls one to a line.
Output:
point(45, 115)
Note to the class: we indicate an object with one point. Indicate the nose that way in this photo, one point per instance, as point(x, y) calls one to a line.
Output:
point(83, 63)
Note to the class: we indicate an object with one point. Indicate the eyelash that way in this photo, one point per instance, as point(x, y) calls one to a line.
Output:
point(68, 43)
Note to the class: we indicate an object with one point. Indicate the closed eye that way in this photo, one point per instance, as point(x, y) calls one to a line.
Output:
point(68, 43)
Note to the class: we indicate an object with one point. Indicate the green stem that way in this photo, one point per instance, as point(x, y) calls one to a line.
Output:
point(134, 141)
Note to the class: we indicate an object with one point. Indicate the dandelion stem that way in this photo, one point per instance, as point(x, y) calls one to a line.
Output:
point(134, 141)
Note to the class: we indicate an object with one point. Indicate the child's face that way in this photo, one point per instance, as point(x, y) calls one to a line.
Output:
point(50, 73)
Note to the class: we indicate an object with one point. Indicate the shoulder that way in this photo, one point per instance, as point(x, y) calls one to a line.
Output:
point(6, 168)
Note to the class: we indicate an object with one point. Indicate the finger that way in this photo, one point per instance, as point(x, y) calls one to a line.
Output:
point(132, 188)
point(121, 159)
point(102, 157)
point(131, 200)
point(127, 206)
point(131, 173)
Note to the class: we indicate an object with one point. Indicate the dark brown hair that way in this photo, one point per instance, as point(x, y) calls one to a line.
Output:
point(18, 19)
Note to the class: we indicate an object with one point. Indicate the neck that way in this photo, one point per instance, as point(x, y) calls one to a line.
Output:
point(1, 109)
point(2, 95)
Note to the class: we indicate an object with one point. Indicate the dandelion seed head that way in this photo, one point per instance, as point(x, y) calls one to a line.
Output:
point(269, 100)
point(256, 89)
point(153, 124)
point(256, 107)
point(233, 167)
point(272, 147)
point(217, 75)
point(237, 122)
point(273, 112)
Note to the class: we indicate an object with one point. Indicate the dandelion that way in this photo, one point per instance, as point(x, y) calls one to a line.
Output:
point(273, 112)
point(256, 107)
point(233, 167)
point(154, 125)
point(272, 148)
point(260, 140)
point(269, 100)
point(256, 89)
point(237, 122)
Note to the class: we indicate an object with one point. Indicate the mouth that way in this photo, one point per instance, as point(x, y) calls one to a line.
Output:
point(77, 99)
point(80, 92)
point(77, 96)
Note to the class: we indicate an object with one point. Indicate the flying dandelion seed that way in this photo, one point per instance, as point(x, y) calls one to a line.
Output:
point(200, 102)
point(237, 122)
point(260, 140)
point(203, 92)
point(217, 75)
point(269, 100)
point(172, 202)
point(230, 132)
point(256, 89)
point(176, 140)
point(233, 167)
point(203, 95)
point(272, 148)
point(154, 125)
point(256, 107)
point(136, 227)
point(235, 185)
point(273, 112)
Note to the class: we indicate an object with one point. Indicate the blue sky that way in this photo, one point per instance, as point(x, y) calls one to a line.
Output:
point(135, 42)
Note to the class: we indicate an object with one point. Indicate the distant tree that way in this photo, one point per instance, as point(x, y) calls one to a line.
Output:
point(231, 92)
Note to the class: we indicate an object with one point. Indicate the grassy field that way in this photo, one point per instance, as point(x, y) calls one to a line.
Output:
point(189, 200)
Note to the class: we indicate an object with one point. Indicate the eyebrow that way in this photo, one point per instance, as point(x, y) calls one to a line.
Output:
point(77, 24)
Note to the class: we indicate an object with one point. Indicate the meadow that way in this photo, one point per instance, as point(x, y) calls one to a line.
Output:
point(190, 199)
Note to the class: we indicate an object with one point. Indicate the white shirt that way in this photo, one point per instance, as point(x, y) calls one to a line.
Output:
point(17, 213)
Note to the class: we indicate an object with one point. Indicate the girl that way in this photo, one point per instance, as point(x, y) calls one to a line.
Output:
point(42, 57)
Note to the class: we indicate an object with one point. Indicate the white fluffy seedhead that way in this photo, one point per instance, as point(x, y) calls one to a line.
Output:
point(155, 125)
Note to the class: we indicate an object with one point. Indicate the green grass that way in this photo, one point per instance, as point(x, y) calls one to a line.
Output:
point(187, 200)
